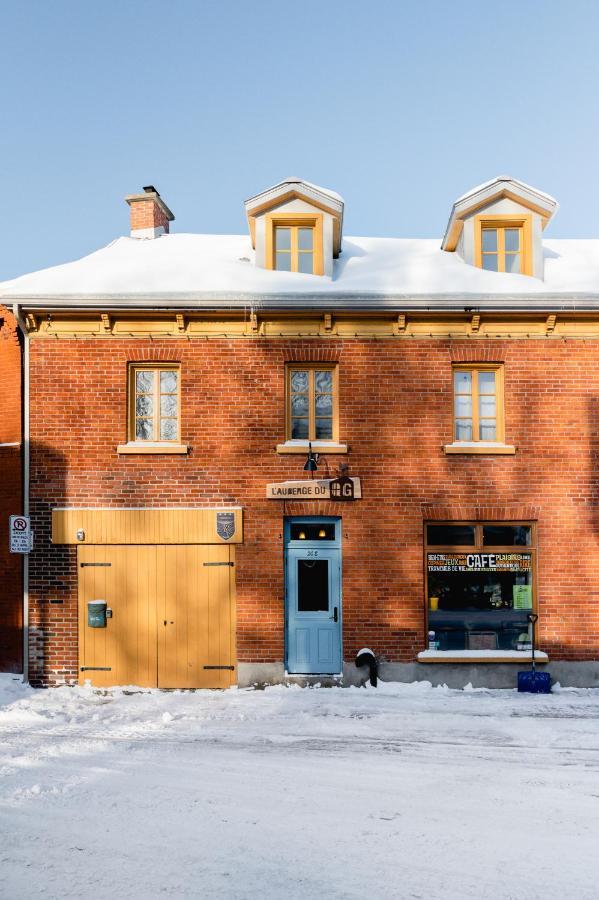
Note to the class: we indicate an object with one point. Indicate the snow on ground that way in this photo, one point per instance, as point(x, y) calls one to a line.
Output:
point(406, 791)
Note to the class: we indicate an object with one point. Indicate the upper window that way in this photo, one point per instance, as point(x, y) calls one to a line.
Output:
point(478, 403)
point(312, 402)
point(294, 243)
point(502, 244)
point(154, 403)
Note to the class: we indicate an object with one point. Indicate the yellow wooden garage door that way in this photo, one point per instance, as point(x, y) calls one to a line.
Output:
point(173, 615)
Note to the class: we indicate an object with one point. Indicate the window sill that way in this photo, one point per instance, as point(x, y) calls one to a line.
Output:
point(301, 447)
point(150, 447)
point(481, 656)
point(488, 448)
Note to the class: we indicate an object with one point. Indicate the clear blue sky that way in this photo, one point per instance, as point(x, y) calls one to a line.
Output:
point(400, 106)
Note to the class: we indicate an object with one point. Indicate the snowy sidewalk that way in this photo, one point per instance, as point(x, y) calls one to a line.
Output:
point(406, 791)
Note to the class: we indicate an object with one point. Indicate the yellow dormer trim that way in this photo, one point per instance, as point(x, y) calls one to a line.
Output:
point(502, 221)
point(303, 220)
point(458, 224)
point(286, 198)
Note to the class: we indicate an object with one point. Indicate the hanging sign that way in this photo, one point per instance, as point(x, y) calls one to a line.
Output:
point(21, 537)
point(344, 488)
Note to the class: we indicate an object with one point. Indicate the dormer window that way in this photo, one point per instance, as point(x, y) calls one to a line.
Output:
point(294, 244)
point(296, 226)
point(498, 227)
point(501, 245)
point(294, 248)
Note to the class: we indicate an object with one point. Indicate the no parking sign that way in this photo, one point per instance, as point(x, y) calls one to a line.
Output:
point(21, 538)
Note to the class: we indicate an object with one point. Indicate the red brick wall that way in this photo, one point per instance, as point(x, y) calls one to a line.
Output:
point(11, 494)
point(395, 412)
point(147, 214)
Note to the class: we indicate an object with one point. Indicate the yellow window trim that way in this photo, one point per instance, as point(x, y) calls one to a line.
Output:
point(311, 367)
point(302, 220)
point(473, 369)
point(155, 440)
point(501, 222)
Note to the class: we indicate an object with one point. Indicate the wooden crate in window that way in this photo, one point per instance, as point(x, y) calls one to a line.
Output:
point(482, 640)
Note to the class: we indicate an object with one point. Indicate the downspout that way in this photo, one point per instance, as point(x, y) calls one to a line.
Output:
point(26, 463)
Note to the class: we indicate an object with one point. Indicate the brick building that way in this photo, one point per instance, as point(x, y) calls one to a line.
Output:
point(253, 456)
point(11, 494)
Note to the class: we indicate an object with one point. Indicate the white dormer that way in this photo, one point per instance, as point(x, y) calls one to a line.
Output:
point(296, 226)
point(498, 226)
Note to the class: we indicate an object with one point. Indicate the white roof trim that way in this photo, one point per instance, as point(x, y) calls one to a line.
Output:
point(488, 191)
point(306, 188)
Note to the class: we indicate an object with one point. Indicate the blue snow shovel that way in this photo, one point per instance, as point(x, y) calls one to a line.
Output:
point(534, 682)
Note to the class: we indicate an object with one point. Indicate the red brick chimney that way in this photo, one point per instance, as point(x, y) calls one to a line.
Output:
point(150, 216)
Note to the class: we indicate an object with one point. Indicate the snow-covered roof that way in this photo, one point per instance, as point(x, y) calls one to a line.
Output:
point(218, 270)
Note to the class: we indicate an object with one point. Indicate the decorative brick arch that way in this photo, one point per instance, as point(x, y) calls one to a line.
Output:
point(153, 354)
point(478, 351)
point(314, 508)
point(495, 513)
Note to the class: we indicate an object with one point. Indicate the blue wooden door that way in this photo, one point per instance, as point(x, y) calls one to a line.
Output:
point(313, 590)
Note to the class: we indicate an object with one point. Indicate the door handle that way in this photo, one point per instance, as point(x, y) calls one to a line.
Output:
point(166, 622)
point(335, 616)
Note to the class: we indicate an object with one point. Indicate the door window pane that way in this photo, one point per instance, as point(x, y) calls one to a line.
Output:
point(312, 531)
point(490, 262)
point(312, 585)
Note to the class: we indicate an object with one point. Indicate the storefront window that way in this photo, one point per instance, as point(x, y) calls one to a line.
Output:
point(479, 585)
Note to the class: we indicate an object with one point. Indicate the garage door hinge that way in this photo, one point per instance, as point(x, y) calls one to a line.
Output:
point(96, 669)
point(230, 668)
point(219, 564)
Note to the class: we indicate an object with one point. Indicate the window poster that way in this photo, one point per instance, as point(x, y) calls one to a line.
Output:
point(522, 596)
point(518, 563)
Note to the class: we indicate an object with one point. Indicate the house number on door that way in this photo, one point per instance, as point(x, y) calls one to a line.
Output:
point(312, 553)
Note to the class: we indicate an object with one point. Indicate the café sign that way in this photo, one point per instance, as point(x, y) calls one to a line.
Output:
point(343, 488)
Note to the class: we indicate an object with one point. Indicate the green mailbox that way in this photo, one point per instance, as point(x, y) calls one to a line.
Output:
point(96, 613)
